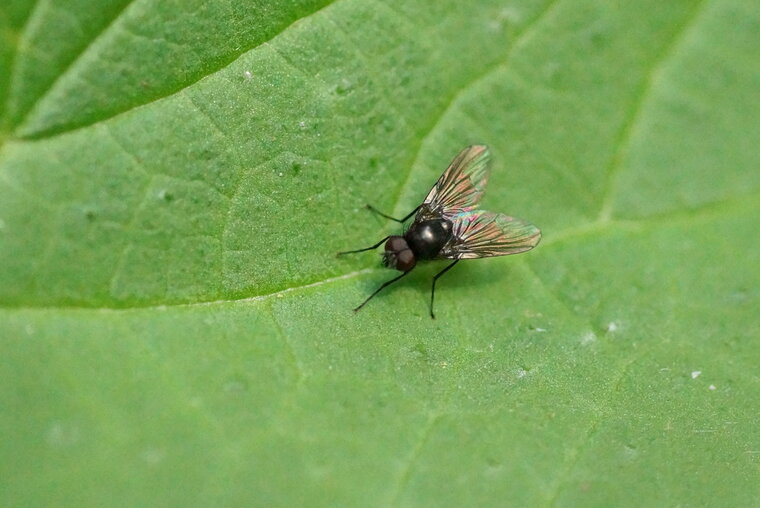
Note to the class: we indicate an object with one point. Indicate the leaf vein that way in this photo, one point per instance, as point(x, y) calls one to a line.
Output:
point(14, 63)
point(405, 471)
point(69, 65)
point(635, 113)
point(587, 436)
point(457, 95)
point(291, 352)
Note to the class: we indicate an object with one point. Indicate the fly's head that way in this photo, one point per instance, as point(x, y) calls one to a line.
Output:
point(398, 255)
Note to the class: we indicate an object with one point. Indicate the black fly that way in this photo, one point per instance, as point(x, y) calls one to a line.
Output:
point(447, 225)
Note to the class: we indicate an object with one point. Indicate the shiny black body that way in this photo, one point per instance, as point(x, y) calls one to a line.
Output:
point(427, 238)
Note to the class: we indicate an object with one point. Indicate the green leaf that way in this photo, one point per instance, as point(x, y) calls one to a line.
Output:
point(175, 178)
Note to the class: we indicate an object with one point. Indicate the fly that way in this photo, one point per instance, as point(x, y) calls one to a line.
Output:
point(448, 226)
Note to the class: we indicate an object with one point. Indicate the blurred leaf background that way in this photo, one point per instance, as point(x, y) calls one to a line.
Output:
point(176, 176)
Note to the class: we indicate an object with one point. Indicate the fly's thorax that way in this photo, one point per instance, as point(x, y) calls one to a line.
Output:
point(398, 255)
point(427, 238)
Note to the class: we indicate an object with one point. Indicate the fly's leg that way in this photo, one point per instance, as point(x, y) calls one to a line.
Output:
point(378, 244)
point(435, 278)
point(400, 221)
point(385, 284)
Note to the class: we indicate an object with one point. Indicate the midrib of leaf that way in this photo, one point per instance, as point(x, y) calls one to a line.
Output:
point(250, 299)
point(53, 132)
point(589, 231)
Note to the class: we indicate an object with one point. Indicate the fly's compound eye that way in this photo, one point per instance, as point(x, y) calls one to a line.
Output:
point(405, 260)
point(396, 244)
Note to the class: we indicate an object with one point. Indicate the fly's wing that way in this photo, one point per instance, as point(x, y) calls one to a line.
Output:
point(460, 187)
point(481, 234)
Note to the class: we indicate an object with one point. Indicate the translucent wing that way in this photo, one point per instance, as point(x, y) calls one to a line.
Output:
point(480, 234)
point(460, 187)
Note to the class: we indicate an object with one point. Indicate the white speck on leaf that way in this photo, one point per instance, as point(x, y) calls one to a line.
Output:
point(235, 385)
point(630, 453)
point(302, 124)
point(279, 174)
point(612, 327)
point(521, 373)
point(153, 455)
point(505, 16)
point(551, 71)
point(712, 387)
point(495, 25)
point(696, 374)
point(62, 434)
point(588, 338)
point(344, 87)
point(248, 75)
point(510, 14)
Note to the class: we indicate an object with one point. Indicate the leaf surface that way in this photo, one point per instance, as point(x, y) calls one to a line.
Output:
point(175, 178)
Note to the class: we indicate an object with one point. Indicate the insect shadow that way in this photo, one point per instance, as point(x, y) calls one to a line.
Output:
point(447, 224)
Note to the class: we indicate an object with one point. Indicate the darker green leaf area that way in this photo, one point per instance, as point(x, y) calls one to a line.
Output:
point(12, 18)
point(175, 178)
point(83, 61)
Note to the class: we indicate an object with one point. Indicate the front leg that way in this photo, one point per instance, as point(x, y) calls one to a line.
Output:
point(384, 285)
point(378, 244)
